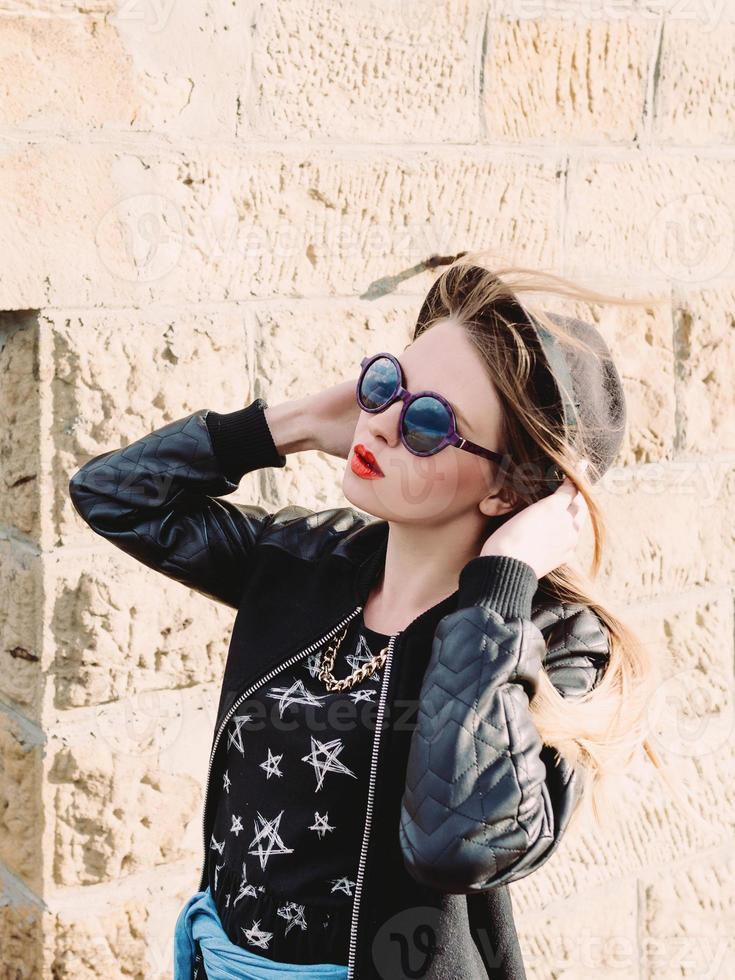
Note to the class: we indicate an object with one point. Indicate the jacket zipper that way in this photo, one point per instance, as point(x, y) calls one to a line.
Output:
point(369, 808)
point(223, 724)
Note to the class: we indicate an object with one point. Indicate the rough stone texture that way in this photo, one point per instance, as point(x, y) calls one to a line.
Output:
point(393, 70)
point(19, 424)
point(689, 919)
point(675, 222)
point(692, 719)
point(21, 805)
point(556, 945)
point(189, 88)
point(704, 334)
point(696, 90)
point(21, 932)
point(121, 631)
point(114, 770)
point(202, 224)
point(21, 677)
point(105, 394)
point(592, 90)
point(202, 203)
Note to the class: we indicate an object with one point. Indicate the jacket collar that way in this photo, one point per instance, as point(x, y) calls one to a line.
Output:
point(365, 547)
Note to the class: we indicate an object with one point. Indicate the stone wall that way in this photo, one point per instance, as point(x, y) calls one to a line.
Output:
point(195, 200)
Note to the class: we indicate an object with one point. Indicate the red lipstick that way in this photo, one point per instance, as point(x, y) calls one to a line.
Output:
point(364, 464)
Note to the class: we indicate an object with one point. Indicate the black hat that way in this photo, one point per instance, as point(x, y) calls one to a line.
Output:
point(587, 394)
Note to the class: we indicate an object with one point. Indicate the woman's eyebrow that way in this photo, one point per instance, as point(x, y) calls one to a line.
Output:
point(460, 417)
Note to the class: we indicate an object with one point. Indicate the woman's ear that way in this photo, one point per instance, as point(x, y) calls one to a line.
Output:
point(499, 502)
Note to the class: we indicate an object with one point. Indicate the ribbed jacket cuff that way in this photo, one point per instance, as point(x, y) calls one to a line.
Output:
point(242, 440)
point(506, 584)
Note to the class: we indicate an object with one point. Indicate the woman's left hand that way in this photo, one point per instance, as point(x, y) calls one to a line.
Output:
point(544, 534)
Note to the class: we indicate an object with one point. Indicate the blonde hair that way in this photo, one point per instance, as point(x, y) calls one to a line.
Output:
point(601, 732)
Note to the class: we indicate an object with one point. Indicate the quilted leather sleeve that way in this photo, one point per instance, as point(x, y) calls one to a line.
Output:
point(157, 498)
point(485, 801)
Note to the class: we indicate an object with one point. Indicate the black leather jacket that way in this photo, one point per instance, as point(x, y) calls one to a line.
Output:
point(463, 796)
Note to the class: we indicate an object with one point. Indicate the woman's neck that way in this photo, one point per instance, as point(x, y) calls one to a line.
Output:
point(421, 569)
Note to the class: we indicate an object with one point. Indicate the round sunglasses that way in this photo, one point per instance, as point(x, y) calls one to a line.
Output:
point(427, 423)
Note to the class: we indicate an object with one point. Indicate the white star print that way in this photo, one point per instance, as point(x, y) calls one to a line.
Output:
point(296, 694)
point(321, 824)
point(363, 695)
point(362, 655)
point(235, 738)
point(245, 888)
point(256, 936)
point(217, 869)
point(294, 915)
point(271, 764)
point(236, 825)
point(314, 662)
point(216, 845)
point(269, 830)
point(226, 782)
point(330, 763)
point(342, 885)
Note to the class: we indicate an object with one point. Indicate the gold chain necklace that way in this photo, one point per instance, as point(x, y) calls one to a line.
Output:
point(359, 674)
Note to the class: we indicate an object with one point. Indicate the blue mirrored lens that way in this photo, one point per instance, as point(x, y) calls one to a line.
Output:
point(379, 383)
point(425, 424)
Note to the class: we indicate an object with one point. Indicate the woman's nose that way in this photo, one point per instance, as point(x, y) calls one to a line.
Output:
point(385, 423)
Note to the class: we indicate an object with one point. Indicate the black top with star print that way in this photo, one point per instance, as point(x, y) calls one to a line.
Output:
point(290, 813)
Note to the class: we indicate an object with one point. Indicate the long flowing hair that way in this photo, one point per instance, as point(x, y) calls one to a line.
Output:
point(601, 732)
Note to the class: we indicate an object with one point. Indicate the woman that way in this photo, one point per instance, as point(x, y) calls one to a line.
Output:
point(412, 706)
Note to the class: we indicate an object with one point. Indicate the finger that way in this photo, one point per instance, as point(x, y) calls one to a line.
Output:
point(567, 488)
point(579, 511)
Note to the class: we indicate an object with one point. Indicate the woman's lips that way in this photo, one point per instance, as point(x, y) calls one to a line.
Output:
point(361, 465)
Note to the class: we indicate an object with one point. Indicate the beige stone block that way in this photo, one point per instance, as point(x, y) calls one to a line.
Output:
point(573, 80)
point(117, 376)
point(690, 721)
point(115, 810)
point(21, 808)
point(19, 423)
point(21, 933)
point(669, 527)
point(651, 218)
point(180, 228)
point(21, 680)
point(705, 348)
point(688, 918)
point(119, 629)
point(385, 72)
point(124, 791)
point(695, 95)
point(119, 929)
point(591, 933)
point(107, 943)
point(134, 67)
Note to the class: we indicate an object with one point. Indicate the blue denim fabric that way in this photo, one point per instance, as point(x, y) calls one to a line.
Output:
point(223, 960)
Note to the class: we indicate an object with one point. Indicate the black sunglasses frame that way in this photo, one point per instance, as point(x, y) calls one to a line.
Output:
point(451, 438)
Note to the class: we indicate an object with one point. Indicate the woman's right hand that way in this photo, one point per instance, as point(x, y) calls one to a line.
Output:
point(333, 415)
point(325, 421)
